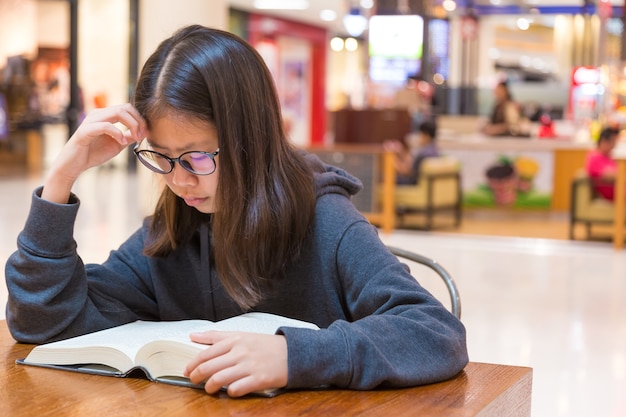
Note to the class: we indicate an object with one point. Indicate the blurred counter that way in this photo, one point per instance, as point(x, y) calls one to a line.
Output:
point(523, 173)
point(514, 144)
point(511, 172)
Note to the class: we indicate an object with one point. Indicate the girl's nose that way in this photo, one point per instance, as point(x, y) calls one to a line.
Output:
point(181, 177)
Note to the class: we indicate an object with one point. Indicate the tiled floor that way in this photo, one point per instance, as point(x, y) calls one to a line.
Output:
point(554, 305)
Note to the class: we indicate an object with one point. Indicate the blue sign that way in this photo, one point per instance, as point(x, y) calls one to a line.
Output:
point(4, 118)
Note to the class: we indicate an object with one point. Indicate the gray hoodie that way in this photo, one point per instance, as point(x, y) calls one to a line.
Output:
point(379, 327)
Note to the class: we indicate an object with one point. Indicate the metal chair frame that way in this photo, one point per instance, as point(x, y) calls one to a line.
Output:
point(455, 298)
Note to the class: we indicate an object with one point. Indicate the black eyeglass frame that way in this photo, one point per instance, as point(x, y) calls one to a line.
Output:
point(172, 161)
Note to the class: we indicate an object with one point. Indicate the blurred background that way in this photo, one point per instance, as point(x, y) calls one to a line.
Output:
point(339, 65)
point(60, 58)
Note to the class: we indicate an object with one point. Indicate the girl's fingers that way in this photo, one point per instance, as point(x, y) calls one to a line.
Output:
point(130, 117)
point(122, 123)
point(245, 362)
point(124, 114)
point(232, 376)
point(90, 131)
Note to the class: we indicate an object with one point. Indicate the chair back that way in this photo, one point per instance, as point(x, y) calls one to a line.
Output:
point(439, 185)
point(586, 207)
point(440, 164)
point(586, 204)
point(582, 194)
point(408, 257)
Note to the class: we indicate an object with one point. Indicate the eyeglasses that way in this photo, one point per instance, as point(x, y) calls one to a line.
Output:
point(196, 162)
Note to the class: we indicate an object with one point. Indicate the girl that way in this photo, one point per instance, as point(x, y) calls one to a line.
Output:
point(245, 223)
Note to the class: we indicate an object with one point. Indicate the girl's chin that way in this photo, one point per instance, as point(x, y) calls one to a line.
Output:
point(205, 208)
point(205, 211)
point(203, 205)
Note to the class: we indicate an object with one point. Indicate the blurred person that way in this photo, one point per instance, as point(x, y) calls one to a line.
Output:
point(506, 118)
point(600, 166)
point(409, 156)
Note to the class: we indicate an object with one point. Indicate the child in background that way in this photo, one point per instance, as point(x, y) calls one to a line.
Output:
point(409, 160)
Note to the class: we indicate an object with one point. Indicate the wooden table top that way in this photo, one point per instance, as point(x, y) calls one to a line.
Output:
point(480, 390)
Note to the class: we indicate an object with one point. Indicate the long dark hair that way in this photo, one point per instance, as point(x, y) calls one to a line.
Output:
point(265, 198)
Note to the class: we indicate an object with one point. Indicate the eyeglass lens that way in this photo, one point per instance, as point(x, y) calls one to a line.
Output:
point(195, 162)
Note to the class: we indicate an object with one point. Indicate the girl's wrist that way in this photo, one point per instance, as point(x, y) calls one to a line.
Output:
point(57, 189)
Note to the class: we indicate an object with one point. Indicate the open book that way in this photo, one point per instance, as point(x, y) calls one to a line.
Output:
point(160, 349)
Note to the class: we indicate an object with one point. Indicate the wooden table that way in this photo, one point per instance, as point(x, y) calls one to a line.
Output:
point(480, 390)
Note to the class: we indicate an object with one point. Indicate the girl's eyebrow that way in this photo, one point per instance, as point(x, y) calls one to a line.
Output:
point(156, 146)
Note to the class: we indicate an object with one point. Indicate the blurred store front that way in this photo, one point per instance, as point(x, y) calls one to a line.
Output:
point(457, 49)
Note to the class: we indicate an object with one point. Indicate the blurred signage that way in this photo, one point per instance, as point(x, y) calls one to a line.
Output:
point(586, 91)
point(395, 46)
point(605, 9)
point(4, 118)
point(439, 41)
point(586, 75)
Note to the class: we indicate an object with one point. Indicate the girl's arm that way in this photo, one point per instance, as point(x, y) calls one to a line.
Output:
point(49, 294)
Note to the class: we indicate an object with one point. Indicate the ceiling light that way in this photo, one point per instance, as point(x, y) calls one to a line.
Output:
point(328, 15)
point(351, 44)
point(282, 4)
point(336, 44)
point(449, 5)
point(523, 24)
point(354, 22)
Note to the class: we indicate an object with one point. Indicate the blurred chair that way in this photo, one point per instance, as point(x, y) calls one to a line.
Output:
point(438, 191)
point(586, 207)
point(455, 298)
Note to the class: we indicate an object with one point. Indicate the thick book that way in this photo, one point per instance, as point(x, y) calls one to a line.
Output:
point(161, 350)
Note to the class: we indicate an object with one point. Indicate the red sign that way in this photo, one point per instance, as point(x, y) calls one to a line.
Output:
point(585, 75)
point(605, 10)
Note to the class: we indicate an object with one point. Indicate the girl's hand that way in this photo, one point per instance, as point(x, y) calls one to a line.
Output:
point(97, 140)
point(243, 362)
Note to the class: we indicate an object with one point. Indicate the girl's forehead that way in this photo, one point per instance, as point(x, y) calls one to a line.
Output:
point(175, 116)
point(182, 133)
point(180, 121)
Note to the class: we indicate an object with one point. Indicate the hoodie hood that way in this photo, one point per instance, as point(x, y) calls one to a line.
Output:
point(331, 179)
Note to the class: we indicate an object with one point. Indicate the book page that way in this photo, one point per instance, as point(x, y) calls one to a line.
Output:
point(260, 323)
point(101, 347)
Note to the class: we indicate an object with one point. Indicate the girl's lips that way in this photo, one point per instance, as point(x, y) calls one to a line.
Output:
point(194, 201)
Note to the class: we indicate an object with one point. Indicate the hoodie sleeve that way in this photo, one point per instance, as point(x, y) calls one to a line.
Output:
point(49, 295)
point(395, 333)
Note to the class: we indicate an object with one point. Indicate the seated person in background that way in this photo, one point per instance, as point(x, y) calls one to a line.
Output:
point(506, 118)
point(599, 165)
point(408, 161)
